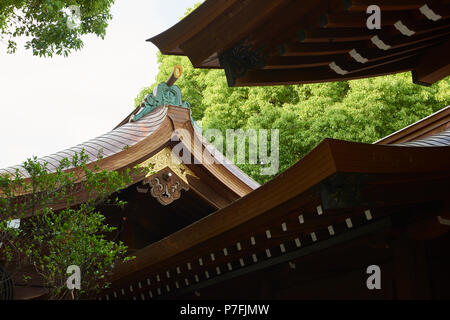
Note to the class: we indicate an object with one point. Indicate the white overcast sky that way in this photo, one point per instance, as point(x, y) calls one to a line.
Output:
point(49, 104)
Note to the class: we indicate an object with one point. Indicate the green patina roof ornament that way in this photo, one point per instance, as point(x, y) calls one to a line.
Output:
point(166, 93)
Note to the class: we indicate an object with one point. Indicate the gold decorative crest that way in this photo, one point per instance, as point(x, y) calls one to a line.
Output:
point(165, 158)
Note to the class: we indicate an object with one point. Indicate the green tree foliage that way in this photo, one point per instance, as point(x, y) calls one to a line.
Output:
point(52, 240)
point(358, 110)
point(52, 26)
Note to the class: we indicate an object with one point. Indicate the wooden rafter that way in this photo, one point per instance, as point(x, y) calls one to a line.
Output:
point(169, 41)
point(246, 17)
point(359, 19)
point(289, 22)
point(317, 74)
point(386, 5)
point(272, 222)
point(252, 40)
point(328, 35)
point(374, 58)
point(433, 124)
point(433, 66)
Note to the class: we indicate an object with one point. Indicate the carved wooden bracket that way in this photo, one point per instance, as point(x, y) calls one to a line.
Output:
point(240, 59)
point(166, 186)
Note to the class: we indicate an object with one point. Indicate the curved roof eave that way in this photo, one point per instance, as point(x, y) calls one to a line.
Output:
point(328, 158)
point(134, 142)
point(106, 145)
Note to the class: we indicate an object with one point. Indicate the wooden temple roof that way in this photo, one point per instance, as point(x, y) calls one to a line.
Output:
point(338, 192)
point(146, 141)
point(433, 124)
point(106, 145)
point(264, 42)
point(439, 140)
point(147, 136)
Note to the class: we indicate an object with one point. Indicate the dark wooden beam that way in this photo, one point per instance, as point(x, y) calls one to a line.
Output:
point(433, 66)
point(332, 35)
point(397, 41)
point(383, 62)
point(317, 74)
point(401, 47)
point(376, 226)
point(201, 238)
point(385, 5)
point(373, 61)
point(434, 226)
point(349, 190)
point(442, 9)
point(305, 55)
point(412, 277)
point(344, 60)
point(359, 19)
point(224, 33)
point(286, 23)
point(205, 186)
point(293, 62)
point(169, 41)
point(312, 49)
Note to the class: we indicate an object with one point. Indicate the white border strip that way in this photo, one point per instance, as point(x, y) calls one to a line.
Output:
point(379, 43)
point(445, 222)
point(427, 12)
point(337, 69)
point(359, 58)
point(403, 29)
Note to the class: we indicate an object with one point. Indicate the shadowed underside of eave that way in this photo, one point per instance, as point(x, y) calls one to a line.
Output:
point(273, 218)
point(264, 42)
